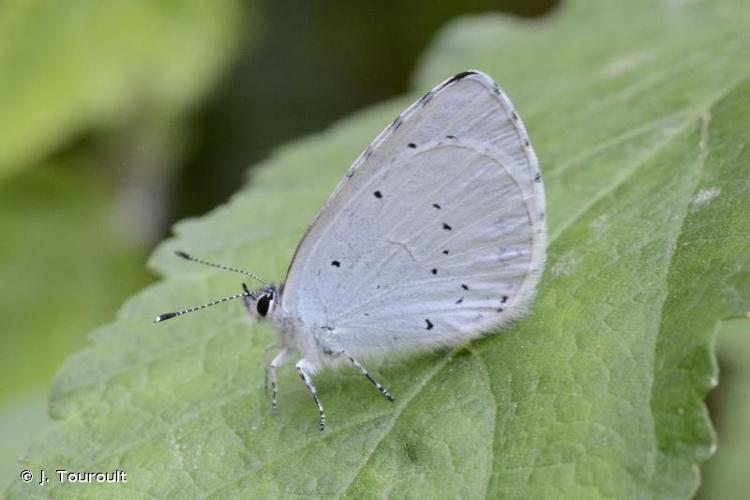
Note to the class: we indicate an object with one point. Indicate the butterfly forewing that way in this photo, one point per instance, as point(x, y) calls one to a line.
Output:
point(435, 233)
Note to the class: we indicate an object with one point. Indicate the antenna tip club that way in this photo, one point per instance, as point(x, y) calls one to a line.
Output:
point(182, 254)
point(164, 317)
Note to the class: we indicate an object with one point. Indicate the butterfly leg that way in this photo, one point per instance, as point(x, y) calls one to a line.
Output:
point(266, 363)
point(364, 372)
point(305, 369)
point(279, 360)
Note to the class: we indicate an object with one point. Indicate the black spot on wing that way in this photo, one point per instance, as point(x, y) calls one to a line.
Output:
point(429, 324)
point(435, 205)
point(504, 299)
point(335, 263)
point(378, 194)
point(434, 271)
point(446, 252)
point(450, 137)
point(412, 145)
point(538, 177)
point(447, 227)
point(464, 286)
point(461, 299)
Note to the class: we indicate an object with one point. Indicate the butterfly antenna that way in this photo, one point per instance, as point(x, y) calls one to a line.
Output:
point(170, 315)
point(189, 257)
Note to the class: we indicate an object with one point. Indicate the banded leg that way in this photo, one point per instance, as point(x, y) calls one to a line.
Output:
point(364, 372)
point(279, 360)
point(266, 363)
point(305, 368)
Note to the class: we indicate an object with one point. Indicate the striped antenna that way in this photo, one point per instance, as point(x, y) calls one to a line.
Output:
point(189, 257)
point(170, 315)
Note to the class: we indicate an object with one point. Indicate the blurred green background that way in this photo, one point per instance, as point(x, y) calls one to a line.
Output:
point(119, 118)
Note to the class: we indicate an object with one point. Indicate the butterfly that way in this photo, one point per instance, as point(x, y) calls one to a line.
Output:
point(435, 236)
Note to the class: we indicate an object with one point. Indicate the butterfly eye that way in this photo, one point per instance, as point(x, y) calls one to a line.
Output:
point(263, 304)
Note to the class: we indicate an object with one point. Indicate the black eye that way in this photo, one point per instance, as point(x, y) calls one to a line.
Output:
point(263, 303)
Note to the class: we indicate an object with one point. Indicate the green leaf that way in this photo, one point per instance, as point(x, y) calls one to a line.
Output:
point(638, 114)
point(69, 65)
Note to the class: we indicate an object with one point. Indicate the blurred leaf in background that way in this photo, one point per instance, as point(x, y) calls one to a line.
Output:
point(94, 98)
point(637, 111)
point(69, 66)
point(726, 475)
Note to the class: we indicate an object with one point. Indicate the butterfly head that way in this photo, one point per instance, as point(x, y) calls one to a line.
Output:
point(260, 303)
